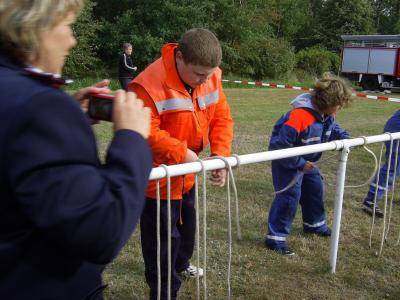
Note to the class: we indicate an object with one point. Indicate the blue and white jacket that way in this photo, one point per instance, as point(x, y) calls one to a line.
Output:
point(302, 126)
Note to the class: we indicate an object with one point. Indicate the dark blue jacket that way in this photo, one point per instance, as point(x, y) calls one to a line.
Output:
point(126, 69)
point(63, 214)
point(304, 126)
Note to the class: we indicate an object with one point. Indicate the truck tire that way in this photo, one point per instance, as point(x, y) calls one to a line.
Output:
point(370, 82)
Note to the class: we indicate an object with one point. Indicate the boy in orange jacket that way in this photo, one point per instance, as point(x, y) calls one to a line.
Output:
point(184, 92)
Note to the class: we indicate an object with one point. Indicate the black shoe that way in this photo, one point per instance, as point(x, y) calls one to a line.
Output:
point(325, 233)
point(285, 251)
point(369, 209)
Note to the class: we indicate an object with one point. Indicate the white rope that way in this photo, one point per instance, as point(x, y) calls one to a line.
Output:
point(375, 167)
point(158, 242)
point(386, 192)
point(229, 237)
point(169, 229)
point(229, 220)
point(197, 236)
point(393, 187)
point(369, 180)
point(203, 170)
point(239, 232)
point(291, 183)
point(230, 174)
point(297, 177)
point(375, 197)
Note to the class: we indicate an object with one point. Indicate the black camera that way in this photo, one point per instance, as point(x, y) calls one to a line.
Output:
point(100, 107)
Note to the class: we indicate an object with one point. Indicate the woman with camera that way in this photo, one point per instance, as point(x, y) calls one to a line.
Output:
point(63, 214)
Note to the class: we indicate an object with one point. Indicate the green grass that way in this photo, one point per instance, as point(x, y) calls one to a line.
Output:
point(81, 83)
point(258, 273)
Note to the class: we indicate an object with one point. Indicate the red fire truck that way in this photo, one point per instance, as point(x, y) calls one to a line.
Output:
point(372, 60)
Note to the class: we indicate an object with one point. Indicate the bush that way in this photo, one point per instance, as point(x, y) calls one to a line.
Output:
point(264, 57)
point(82, 59)
point(317, 60)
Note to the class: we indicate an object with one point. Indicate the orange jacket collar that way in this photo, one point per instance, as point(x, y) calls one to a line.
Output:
point(173, 80)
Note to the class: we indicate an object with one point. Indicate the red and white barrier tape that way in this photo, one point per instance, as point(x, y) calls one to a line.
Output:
point(283, 86)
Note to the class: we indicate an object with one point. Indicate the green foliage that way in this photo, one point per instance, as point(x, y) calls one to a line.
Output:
point(344, 17)
point(147, 32)
point(265, 58)
point(386, 17)
point(257, 36)
point(82, 59)
point(317, 60)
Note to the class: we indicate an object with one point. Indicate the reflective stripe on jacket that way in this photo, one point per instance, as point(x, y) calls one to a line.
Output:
point(180, 121)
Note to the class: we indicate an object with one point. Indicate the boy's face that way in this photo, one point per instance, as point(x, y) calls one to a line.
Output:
point(192, 75)
point(128, 50)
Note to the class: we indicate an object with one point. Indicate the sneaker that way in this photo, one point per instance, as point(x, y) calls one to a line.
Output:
point(192, 271)
point(285, 251)
point(369, 209)
point(326, 232)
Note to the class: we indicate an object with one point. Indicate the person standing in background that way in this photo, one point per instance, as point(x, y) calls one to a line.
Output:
point(125, 67)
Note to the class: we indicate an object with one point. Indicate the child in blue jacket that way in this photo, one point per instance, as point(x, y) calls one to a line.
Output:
point(311, 121)
point(392, 125)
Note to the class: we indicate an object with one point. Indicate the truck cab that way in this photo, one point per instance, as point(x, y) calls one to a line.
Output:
point(372, 61)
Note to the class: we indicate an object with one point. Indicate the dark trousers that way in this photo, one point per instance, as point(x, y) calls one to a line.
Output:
point(183, 227)
point(308, 192)
point(124, 81)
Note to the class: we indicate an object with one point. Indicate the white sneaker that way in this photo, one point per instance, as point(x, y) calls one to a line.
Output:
point(192, 271)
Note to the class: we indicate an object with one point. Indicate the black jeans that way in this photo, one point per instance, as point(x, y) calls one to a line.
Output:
point(183, 227)
point(124, 81)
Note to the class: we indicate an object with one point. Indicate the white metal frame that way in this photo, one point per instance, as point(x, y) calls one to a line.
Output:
point(343, 145)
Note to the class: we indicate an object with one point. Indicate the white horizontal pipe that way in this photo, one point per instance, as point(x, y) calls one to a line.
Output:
point(195, 167)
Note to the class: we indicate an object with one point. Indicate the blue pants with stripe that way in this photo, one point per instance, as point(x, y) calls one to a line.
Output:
point(393, 173)
point(392, 125)
point(308, 191)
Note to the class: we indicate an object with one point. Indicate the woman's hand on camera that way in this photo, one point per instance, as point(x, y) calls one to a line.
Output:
point(82, 94)
point(129, 113)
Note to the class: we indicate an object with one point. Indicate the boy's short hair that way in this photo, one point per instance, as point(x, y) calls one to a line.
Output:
point(200, 47)
point(22, 24)
point(330, 91)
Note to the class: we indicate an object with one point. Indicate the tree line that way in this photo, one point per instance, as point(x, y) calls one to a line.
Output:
point(260, 38)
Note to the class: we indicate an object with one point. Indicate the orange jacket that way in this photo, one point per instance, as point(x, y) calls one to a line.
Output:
point(180, 121)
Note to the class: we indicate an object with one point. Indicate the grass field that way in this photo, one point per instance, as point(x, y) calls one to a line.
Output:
point(258, 273)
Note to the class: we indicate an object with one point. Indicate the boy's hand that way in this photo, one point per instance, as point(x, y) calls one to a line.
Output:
point(308, 167)
point(218, 177)
point(191, 156)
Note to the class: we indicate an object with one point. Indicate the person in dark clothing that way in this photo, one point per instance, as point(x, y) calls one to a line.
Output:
point(311, 121)
point(63, 214)
point(125, 67)
point(189, 110)
point(392, 125)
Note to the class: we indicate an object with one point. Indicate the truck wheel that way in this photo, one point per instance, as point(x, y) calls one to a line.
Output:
point(370, 82)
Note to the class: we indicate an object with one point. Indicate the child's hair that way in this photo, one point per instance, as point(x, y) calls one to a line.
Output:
point(330, 91)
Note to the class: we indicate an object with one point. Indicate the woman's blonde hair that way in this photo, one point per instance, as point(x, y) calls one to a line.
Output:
point(23, 22)
point(330, 91)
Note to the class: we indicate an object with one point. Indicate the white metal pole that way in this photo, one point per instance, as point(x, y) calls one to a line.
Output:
point(337, 214)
